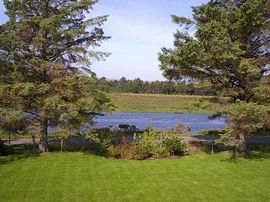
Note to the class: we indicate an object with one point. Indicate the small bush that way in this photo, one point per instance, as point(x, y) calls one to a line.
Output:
point(101, 140)
point(123, 151)
point(147, 144)
point(174, 146)
point(140, 153)
point(162, 152)
point(193, 149)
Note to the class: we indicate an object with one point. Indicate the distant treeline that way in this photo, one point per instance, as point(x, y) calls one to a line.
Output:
point(154, 87)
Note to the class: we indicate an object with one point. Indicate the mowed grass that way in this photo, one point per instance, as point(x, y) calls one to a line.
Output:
point(78, 177)
point(155, 103)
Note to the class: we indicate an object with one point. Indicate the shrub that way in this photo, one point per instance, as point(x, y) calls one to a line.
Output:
point(140, 153)
point(159, 145)
point(174, 146)
point(147, 143)
point(113, 152)
point(197, 147)
point(102, 141)
point(162, 152)
point(124, 151)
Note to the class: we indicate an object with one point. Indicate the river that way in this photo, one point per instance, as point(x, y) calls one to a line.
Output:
point(162, 121)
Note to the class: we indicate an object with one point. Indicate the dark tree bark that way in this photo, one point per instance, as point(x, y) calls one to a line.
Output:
point(33, 139)
point(240, 148)
point(9, 138)
point(43, 143)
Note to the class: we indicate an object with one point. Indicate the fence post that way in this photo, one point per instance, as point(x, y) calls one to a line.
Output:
point(62, 144)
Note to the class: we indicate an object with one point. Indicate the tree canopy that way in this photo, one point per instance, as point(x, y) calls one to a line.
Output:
point(229, 47)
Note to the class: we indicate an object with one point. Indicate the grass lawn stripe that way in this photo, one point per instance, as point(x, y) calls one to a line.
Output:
point(78, 177)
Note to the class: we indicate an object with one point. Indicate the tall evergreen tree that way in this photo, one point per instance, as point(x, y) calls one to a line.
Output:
point(45, 51)
point(230, 49)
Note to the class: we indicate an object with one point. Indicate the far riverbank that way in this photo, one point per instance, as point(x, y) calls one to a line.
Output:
point(157, 103)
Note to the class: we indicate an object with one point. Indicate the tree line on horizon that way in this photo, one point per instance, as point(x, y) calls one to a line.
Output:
point(124, 85)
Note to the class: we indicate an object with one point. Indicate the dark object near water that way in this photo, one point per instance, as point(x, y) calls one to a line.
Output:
point(127, 128)
point(96, 114)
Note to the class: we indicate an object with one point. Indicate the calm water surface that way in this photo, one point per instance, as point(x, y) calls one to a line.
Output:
point(161, 121)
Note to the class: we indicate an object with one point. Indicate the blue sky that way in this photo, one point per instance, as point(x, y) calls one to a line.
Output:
point(139, 29)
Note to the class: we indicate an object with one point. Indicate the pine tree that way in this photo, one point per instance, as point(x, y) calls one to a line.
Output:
point(46, 49)
point(230, 49)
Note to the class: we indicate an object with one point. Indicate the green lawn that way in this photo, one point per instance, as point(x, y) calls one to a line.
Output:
point(128, 102)
point(78, 177)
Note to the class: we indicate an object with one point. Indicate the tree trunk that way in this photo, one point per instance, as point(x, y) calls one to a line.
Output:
point(43, 143)
point(240, 148)
point(62, 144)
point(33, 139)
point(9, 138)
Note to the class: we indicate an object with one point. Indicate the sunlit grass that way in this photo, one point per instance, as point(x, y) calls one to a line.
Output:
point(78, 177)
point(127, 102)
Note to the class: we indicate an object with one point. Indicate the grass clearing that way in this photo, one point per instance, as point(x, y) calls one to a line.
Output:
point(156, 103)
point(79, 177)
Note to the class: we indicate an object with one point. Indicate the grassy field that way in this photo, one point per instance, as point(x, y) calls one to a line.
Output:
point(78, 177)
point(162, 103)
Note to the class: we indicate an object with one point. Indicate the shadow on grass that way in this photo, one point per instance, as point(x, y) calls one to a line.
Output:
point(13, 153)
point(257, 155)
point(11, 158)
point(95, 149)
point(253, 156)
point(230, 160)
point(87, 149)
